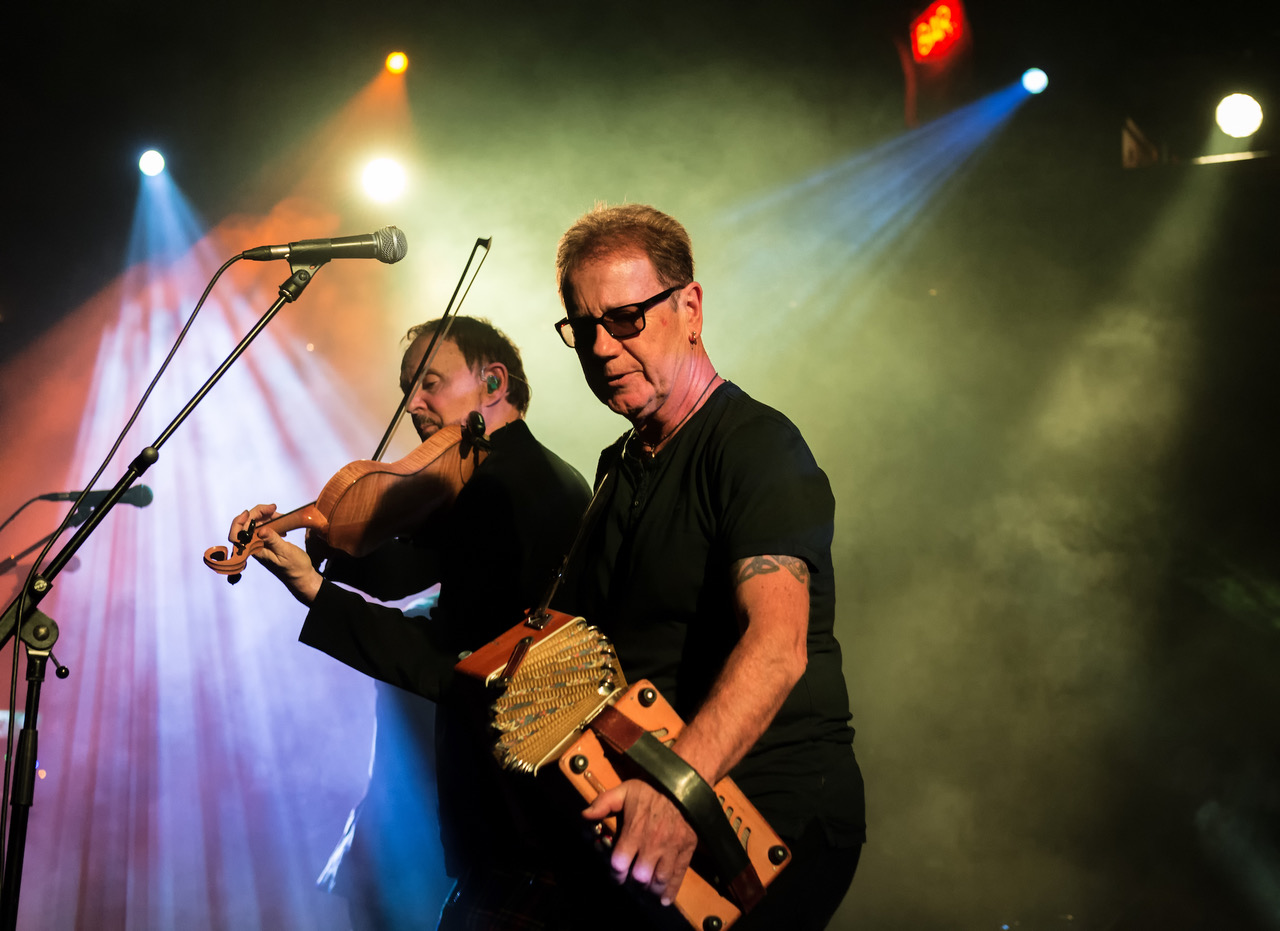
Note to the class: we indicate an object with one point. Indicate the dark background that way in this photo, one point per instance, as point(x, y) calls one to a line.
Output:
point(219, 91)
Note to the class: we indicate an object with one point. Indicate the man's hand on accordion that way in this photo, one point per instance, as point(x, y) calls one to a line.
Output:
point(654, 843)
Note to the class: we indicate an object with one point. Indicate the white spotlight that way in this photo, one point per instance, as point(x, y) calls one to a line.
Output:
point(1239, 115)
point(151, 163)
point(384, 179)
point(1034, 80)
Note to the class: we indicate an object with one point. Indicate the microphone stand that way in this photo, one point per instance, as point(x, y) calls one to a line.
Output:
point(39, 632)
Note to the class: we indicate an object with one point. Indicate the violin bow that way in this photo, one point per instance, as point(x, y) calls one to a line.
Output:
point(441, 333)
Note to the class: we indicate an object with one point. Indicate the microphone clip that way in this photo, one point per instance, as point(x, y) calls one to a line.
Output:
point(293, 286)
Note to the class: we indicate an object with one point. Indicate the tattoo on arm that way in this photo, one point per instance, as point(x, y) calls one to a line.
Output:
point(744, 569)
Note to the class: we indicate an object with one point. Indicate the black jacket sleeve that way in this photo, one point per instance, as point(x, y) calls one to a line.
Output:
point(380, 641)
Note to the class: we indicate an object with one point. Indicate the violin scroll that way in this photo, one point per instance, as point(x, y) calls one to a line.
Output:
point(231, 564)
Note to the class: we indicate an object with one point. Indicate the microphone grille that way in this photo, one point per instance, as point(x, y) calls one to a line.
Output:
point(391, 244)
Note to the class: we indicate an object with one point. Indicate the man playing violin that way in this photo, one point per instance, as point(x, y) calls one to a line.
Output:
point(493, 552)
point(710, 570)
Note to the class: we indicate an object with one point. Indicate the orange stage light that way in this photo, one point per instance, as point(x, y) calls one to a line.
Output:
point(397, 62)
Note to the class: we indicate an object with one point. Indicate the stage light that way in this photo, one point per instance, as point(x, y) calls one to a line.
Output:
point(846, 221)
point(151, 163)
point(1034, 80)
point(1239, 115)
point(397, 62)
point(937, 30)
point(384, 179)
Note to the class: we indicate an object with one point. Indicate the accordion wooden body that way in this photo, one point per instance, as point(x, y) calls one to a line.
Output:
point(563, 699)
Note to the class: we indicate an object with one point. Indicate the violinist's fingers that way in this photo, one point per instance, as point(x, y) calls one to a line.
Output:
point(290, 564)
point(275, 548)
point(258, 513)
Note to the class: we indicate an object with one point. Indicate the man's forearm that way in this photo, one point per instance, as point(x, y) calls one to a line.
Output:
point(772, 597)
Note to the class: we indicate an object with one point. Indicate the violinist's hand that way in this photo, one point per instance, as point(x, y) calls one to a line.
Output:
point(288, 563)
point(654, 844)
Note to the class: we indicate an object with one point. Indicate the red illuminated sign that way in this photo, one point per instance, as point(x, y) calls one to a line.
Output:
point(936, 30)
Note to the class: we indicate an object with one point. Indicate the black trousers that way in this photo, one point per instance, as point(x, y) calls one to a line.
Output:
point(495, 897)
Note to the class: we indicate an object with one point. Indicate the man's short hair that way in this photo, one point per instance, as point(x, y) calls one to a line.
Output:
point(606, 230)
point(481, 343)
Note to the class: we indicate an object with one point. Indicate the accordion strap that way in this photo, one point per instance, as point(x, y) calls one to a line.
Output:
point(692, 794)
point(538, 616)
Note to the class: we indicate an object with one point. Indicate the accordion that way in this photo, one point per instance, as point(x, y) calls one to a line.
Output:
point(563, 698)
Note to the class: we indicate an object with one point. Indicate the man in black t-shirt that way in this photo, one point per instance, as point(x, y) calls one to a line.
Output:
point(709, 567)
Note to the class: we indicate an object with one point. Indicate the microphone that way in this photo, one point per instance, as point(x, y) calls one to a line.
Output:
point(139, 496)
point(386, 245)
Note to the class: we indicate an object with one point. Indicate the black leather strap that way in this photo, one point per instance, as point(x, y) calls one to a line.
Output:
point(691, 793)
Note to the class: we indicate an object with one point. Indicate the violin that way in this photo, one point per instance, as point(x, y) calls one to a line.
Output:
point(368, 502)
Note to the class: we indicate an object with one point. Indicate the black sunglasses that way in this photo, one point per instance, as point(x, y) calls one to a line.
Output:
point(620, 322)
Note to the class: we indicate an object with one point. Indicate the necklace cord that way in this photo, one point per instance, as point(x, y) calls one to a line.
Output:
point(652, 450)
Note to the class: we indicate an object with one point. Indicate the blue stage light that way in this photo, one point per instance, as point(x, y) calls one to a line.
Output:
point(1034, 80)
point(151, 163)
point(844, 222)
